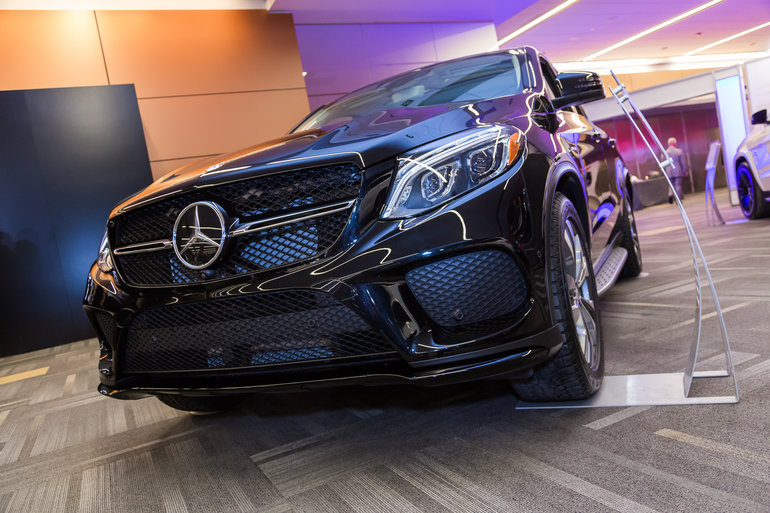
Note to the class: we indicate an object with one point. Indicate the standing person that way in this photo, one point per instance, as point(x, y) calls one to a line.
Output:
point(680, 168)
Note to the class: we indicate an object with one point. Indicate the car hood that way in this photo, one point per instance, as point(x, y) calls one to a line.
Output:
point(364, 141)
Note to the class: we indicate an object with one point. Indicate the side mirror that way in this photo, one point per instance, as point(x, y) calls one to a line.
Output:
point(577, 88)
point(759, 117)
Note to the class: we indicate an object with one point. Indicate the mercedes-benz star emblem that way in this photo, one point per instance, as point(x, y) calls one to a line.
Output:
point(199, 234)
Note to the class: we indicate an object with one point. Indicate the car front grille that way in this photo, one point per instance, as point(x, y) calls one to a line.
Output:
point(253, 252)
point(250, 331)
point(248, 200)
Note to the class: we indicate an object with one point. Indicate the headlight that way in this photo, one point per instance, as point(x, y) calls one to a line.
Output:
point(104, 259)
point(435, 173)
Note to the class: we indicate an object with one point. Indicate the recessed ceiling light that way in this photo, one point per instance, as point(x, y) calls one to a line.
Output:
point(657, 27)
point(540, 19)
point(729, 38)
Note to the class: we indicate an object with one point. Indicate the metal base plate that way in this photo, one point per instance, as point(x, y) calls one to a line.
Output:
point(636, 390)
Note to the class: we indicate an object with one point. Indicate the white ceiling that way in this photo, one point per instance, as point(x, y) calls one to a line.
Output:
point(571, 35)
point(591, 25)
point(581, 29)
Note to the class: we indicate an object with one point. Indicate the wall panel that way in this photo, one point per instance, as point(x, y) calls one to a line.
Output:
point(69, 155)
point(172, 53)
point(186, 126)
point(186, 66)
point(40, 49)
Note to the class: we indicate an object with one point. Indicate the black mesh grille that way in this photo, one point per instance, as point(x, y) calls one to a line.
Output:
point(106, 325)
point(468, 288)
point(153, 222)
point(253, 252)
point(263, 329)
point(247, 198)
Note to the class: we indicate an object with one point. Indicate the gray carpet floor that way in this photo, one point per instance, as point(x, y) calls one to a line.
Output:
point(64, 448)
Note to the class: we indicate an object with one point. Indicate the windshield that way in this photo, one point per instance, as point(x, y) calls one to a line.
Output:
point(466, 80)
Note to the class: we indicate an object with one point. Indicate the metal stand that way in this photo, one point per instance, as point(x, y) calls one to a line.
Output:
point(668, 388)
point(712, 210)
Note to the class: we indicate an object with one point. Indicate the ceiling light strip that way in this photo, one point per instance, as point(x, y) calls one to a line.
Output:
point(537, 21)
point(729, 38)
point(681, 62)
point(657, 27)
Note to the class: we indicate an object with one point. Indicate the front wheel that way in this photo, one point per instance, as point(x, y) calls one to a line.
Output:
point(577, 370)
point(750, 197)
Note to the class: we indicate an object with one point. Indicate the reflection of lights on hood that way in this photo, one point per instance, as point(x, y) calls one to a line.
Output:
point(315, 157)
point(212, 170)
point(473, 110)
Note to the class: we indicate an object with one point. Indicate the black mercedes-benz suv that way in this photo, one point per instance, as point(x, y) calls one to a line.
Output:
point(455, 222)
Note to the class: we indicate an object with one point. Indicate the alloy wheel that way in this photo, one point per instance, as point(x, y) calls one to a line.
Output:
point(745, 191)
point(580, 294)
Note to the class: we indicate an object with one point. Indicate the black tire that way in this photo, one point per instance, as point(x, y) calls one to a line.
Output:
point(750, 197)
point(570, 375)
point(202, 404)
point(630, 239)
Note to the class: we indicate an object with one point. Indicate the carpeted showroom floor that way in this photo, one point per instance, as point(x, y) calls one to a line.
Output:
point(463, 448)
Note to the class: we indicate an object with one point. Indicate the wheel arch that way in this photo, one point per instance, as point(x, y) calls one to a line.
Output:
point(742, 159)
point(563, 177)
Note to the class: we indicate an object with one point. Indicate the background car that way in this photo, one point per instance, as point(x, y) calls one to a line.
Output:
point(752, 169)
point(451, 223)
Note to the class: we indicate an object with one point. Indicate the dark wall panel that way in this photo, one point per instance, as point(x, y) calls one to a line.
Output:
point(68, 155)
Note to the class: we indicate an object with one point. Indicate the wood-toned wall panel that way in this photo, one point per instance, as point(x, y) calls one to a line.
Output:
point(188, 126)
point(46, 49)
point(172, 53)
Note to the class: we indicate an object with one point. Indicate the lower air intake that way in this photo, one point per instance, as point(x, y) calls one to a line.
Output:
point(250, 331)
point(469, 288)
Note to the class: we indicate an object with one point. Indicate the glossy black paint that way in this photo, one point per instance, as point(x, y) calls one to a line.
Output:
point(366, 266)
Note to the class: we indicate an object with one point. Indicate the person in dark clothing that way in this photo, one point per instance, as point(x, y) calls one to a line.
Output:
point(680, 170)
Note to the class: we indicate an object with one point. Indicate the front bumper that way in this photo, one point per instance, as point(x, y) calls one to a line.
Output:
point(366, 272)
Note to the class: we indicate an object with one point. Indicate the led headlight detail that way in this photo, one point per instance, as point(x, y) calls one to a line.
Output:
point(104, 259)
point(435, 173)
